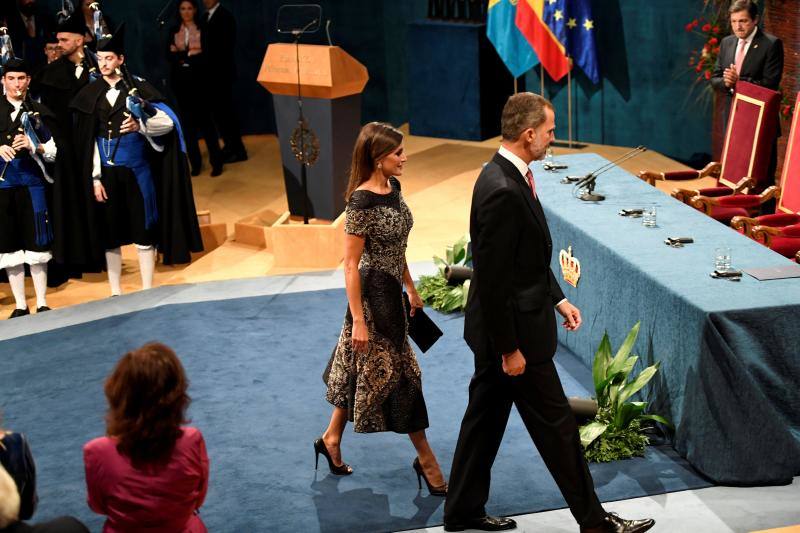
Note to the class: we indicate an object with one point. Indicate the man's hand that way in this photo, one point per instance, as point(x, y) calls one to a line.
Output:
point(730, 76)
point(21, 142)
point(571, 314)
point(514, 363)
point(7, 153)
point(100, 192)
point(129, 125)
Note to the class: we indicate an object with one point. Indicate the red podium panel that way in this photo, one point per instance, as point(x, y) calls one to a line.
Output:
point(790, 180)
point(752, 127)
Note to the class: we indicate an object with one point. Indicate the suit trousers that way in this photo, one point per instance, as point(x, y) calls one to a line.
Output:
point(195, 108)
point(225, 117)
point(540, 400)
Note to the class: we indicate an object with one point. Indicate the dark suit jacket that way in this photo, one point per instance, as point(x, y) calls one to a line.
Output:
point(30, 48)
point(513, 289)
point(218, 39)
point(763, 64)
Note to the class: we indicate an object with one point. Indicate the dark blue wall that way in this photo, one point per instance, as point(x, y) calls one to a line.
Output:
point(644, 96)
point(642, 99)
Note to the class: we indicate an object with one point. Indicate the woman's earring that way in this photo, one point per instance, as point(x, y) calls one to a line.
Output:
point(380, 166)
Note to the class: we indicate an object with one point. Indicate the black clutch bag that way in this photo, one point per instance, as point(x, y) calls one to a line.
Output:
point(422, 330)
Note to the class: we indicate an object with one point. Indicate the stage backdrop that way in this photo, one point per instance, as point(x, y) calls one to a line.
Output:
point(642, 97)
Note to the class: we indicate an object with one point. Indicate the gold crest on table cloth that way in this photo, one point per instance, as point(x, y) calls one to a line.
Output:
point(570, 267)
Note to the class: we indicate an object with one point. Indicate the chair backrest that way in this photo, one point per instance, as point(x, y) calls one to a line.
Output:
point(751, 133)
point(789, 201)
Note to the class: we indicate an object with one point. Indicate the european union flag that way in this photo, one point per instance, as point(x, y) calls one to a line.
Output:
point(572, 24)
point(510, 44)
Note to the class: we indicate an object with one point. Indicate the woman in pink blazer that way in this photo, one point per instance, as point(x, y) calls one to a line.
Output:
point(150, 474)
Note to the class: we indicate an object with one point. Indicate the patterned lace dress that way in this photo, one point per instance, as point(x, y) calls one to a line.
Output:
point(381, 389)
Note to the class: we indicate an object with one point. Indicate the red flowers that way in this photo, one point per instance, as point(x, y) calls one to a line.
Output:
point(713, 41)
point(708, 75)
point(706, 27)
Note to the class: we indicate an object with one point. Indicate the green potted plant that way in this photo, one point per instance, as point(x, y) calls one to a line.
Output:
point(616, 431)
point(436, 291)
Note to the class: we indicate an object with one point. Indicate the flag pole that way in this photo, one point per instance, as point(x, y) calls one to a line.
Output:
point(541, 79)
point(569, 103)
point(515, 85)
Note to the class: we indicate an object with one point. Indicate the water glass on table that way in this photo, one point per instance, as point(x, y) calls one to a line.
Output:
point(722, 258)
point(649, 216)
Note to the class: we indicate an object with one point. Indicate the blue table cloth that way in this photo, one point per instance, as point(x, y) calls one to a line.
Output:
point(729, 352)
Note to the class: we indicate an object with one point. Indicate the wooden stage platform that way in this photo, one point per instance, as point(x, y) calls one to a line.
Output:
point(437, 184)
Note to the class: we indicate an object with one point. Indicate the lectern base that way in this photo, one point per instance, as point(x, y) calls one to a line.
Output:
point(318, 244)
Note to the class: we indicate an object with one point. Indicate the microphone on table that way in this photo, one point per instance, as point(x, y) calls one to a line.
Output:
point(589, 179)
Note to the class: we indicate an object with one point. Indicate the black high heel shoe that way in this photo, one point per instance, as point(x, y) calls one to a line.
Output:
point(441, 490)
point(320, 448)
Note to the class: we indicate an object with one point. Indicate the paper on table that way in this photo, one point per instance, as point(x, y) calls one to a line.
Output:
point(781, 272)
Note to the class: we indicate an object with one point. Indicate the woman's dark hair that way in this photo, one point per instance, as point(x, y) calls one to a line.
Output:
point(195, 5)
point(179, 21)
point(147, 403)
point(375, 141)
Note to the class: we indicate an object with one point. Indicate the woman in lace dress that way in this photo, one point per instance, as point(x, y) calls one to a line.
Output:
point(373, 377)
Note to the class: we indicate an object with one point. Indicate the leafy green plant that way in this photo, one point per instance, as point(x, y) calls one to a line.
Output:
point(435, 291)
point(616, 430)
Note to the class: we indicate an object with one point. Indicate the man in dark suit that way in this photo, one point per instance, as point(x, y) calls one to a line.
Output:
point(217, 40)
point(29, 28)
point(511, 328)
point(750, 55)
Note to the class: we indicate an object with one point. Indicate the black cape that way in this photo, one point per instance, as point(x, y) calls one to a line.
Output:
point(56, 86)
point(178, 229)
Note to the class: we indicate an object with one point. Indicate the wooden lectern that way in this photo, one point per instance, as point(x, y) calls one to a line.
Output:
point(330, 83)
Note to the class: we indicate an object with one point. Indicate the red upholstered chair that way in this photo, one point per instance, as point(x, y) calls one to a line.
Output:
point(785, 241)
point(752, 126)
point(787, 211)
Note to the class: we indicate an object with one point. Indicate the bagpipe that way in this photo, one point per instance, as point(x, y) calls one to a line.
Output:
point(31, 123)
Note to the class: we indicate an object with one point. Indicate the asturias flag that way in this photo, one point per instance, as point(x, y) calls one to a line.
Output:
point(558, 29)
point(510, 44)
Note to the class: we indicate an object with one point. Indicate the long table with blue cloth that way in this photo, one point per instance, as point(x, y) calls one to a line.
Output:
point(729, 352)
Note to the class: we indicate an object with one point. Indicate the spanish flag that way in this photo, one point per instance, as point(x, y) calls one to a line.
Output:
point(560, 31)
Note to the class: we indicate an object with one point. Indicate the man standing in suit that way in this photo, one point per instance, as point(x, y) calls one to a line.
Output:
point(217, 40)
point(750, 55)
point(29, 27)
point(511, 328)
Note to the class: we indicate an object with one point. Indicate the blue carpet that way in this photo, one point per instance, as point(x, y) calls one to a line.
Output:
point(255, 367)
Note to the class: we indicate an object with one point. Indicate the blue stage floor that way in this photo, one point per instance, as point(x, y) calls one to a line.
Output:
point(255, 366)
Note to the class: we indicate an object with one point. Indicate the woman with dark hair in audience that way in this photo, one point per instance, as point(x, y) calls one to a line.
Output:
point(18, 490)
point(150, 472)
point(189, 78)
point(16, 458)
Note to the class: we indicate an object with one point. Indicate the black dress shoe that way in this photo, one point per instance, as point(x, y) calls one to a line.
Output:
point(613, 523)
point(42, 309)
point(19, 312)
point(484, 523)
point(216, 171)
point(235, 157)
